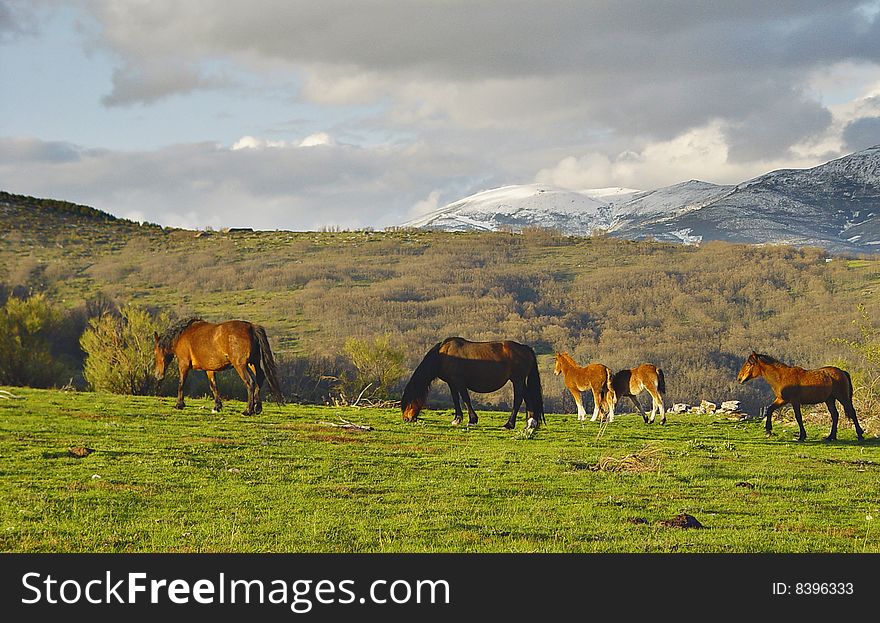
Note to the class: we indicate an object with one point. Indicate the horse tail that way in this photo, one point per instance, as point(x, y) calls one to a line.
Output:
point(848, 390)
point(268, 363)
point(534, 396)
point(415, 394)
point(610, 396)
point(661, 381)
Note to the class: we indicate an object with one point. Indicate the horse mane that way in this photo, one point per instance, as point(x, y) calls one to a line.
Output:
point(766, 359)
point(173, 332)
point(568, 358)
point(415, 393)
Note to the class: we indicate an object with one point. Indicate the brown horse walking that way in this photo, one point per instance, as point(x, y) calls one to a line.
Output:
point(796, 386)
point(593, 376)
point(632, 382)
point(201, 345)
point(481, 367)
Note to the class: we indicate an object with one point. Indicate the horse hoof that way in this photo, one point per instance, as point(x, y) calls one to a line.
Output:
point(179, 405)
point(532, 423)
point(472, 422)
point(456, 422)
point(258, 409)
point(830, 438)
point(508, 425)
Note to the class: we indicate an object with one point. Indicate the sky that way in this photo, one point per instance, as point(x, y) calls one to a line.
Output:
point(300, 115)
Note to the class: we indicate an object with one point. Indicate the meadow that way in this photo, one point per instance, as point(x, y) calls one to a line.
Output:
point(90, 472)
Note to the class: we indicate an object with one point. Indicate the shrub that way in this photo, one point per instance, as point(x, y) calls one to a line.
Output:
point(26, 335)
point(376, 362)
point(119, 351)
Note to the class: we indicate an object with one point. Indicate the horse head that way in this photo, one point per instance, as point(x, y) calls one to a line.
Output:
point(751, 369)
point(557, 369)
point(163, 357)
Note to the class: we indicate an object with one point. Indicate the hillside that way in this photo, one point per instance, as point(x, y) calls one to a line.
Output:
point(694, 310)
point(835, 206)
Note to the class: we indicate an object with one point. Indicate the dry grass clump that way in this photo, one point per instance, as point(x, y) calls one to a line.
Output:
point(645, 460)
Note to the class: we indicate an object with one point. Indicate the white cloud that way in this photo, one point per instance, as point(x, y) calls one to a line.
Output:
point(426, 205)
point(318, 138)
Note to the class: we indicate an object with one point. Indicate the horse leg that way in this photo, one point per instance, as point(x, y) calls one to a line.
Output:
point(183, 370)
point(472, 415)
point(579, 401)
point(260, 377)
point(657, 404)
point(519, 392)
point(797, 415)
point(639, 410)
point(218, 404)
point(456, 420)
point(596, 409)
point(832, 409)
point(247, 376)
point(768, 412)
point(850, 411)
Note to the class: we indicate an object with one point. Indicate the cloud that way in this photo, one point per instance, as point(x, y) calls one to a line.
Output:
point(862, 133)
point(285, 187)
point(638, 71)
point(406, 103)
point(148, 81)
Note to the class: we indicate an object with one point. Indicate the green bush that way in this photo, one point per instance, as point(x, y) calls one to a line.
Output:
point(26, 335)
point(119, 351)
point(378, 364)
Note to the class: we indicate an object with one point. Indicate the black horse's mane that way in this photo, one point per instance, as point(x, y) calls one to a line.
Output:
point(167, 338)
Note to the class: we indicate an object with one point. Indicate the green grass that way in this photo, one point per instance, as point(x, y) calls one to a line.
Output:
point(160, 480)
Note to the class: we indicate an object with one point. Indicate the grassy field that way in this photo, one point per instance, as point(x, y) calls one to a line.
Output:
point(159, 480)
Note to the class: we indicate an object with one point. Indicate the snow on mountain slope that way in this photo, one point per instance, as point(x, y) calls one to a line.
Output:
point(530, 205)
point(835, 205)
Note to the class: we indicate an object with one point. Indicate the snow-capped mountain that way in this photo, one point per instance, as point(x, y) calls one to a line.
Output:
point(530, 205)
point(835, 205)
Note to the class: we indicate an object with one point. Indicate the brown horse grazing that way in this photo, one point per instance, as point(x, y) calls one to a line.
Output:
point(796, 386)
point(200, 345)
point(594, 376)
point(482, 367)
point(632, 382)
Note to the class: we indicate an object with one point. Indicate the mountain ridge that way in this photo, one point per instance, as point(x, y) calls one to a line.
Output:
point(834, 205)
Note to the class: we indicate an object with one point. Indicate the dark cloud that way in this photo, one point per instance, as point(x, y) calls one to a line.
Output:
point(15, 21)
point(31, 150)
point(862, 133)
point(634, 68)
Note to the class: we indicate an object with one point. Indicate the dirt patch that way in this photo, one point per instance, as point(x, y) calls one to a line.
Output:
point(744, 484)
point(636, 520)
point(84, 415)
point(334, 437)
point(79, 452)
point(222, 441)
point(682, 521)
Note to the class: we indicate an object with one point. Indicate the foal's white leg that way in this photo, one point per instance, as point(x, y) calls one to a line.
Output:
point(653, 409)
point(582, 413)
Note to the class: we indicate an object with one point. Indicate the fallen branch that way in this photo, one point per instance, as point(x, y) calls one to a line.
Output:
point(346, 424)
point(6, 395)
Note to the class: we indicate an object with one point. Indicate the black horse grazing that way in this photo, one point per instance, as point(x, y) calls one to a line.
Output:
point(482, 367)
point(200, 345)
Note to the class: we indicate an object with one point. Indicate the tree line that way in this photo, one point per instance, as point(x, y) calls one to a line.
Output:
point(352, 310)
